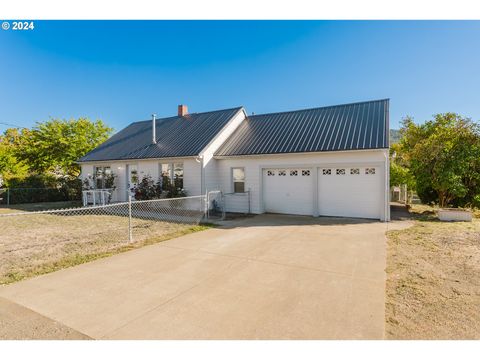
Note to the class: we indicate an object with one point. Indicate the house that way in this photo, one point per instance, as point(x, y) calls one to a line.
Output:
point(326, 161)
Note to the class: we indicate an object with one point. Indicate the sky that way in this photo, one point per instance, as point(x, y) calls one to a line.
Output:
point(123, 71)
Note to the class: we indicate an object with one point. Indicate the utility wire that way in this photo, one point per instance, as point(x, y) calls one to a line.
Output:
point(12, 125)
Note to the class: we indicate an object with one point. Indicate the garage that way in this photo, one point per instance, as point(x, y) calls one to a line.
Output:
point(288, 191)
point(350, 191)
point(326, 161)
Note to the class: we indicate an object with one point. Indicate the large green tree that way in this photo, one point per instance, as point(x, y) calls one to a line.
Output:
point(55, 145)
point(10, 165)
point(443, 155)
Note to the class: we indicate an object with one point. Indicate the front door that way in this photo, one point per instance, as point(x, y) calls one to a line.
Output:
point(132, 179)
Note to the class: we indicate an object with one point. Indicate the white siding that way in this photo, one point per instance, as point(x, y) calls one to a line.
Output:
point(191, 176)
point(209, 164)
point(254, 164)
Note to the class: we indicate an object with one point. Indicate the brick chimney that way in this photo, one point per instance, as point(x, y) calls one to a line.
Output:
point(182, 110)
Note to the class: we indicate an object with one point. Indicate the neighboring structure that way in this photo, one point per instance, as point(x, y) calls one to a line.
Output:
point(328, 161)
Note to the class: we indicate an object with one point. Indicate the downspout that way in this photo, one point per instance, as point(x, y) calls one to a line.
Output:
point(387, 186)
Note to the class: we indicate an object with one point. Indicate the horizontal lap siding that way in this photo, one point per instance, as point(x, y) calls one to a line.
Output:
point(191, 176)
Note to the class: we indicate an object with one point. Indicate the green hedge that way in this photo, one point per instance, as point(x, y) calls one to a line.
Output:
point(41, 188)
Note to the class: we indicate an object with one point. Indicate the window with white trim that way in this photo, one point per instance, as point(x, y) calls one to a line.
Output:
point(100, 174)
point(171, 173)
point(238, 179)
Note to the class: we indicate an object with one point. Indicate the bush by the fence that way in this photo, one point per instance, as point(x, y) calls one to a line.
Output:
point(41, 188)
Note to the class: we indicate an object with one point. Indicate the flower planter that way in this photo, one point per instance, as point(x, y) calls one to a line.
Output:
point(454, 215)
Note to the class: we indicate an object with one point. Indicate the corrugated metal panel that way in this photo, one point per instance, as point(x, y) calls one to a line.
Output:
point(176, 137)
point(354, 126)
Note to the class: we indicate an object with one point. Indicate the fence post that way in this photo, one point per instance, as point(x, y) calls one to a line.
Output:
point(8, 196)
point(130, 218)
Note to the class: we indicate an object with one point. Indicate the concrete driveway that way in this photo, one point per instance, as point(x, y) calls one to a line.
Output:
point(266, 277)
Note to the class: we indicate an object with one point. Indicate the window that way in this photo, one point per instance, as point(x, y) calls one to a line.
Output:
point(101, 174)
point(171, 174)
point(293, 172)
point(340, 171)
point(305, 172)
point(238, 175)
point(270, 172)
point(327, 171)
point(370, 171)
point(282, 172)
point(355, 171)
point(178, 175)
point(165, 175)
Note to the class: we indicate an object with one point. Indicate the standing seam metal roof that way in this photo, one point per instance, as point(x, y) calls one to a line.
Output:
point(176, 137)
point(356, 126)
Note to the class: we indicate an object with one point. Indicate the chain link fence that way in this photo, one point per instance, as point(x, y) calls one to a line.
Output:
point(12, 196)
point(32, 239)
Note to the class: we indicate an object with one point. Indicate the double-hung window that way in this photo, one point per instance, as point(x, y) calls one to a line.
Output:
point(171, 173)
point(101, 173)
point(238, 176)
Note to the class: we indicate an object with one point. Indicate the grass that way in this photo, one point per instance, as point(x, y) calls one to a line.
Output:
point(37, 244)
point(433, 282)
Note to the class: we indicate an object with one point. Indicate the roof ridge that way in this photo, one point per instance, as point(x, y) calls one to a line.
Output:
point(320, 107)
point(176, 116)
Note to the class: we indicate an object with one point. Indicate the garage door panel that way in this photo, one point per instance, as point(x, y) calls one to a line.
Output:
point(288, 191)
point(350, 192)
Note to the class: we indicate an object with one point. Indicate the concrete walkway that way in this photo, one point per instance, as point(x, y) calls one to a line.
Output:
point(266, 277)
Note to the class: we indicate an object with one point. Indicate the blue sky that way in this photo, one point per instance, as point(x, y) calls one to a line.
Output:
point(123, 71)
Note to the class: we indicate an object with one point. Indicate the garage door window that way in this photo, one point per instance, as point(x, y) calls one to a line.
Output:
point(327, 171)
point(355, 171)
point(340, 171)
point(370, 171)
point(305, 172)
point(293, 172)
point(270, 173)
point(238, 175)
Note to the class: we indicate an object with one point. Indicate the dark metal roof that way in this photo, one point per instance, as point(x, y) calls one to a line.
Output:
point(362, 125)
point(176, 137)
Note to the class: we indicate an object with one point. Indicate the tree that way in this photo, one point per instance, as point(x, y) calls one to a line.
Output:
point(55, 145)
point(443, 155)
point(10, 165)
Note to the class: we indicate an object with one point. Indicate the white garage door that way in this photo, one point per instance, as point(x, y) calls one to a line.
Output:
point(350, 191)
point(288, 191)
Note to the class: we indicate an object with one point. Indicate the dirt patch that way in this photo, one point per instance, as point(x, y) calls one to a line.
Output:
point(433, 281)
point(41, 243)
point(19, 323)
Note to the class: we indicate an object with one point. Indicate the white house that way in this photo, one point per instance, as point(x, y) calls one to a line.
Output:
point(327, 161)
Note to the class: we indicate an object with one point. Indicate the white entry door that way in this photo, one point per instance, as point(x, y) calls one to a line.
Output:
point(288, 191)
point(132, 179)
point(350, 191)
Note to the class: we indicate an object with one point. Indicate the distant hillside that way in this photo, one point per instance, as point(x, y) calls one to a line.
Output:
point(394, 136)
